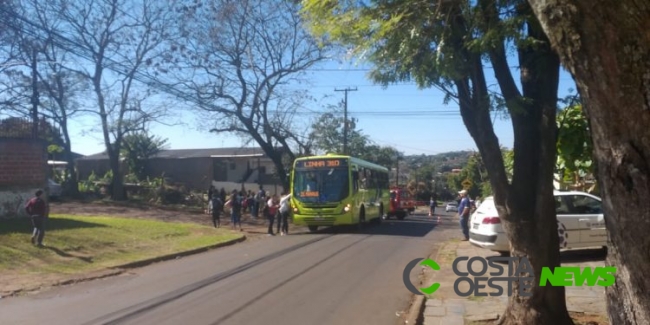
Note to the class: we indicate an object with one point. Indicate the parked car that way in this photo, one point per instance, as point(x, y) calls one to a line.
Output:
point(451, 207)
point(55, 188)
point(581, 223)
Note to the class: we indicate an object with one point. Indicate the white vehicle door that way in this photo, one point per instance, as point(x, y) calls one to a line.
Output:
point(588, 211)
point(569, 224)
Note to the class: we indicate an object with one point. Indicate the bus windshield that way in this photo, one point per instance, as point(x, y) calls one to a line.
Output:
point(321, 185)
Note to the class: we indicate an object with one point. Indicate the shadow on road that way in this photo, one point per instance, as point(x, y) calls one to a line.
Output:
point(417, 225)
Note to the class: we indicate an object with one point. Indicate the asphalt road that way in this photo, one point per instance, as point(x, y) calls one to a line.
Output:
point(332, 277)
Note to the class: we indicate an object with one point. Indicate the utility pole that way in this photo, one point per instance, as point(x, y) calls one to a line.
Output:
point(345, 118)
point(34, 95)
point(397, 173)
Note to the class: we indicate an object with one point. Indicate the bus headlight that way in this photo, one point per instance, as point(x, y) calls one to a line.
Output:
point(347, 208)
point(295, 209)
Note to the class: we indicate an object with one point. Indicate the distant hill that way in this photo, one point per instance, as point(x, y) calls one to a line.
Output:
point(443, 162)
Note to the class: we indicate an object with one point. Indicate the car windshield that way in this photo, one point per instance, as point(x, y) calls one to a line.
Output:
point(321, 185)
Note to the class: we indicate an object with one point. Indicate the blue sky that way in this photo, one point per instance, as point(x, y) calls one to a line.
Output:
point(415, 134)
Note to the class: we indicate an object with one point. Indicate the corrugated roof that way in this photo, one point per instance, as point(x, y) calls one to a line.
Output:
point(192, 153)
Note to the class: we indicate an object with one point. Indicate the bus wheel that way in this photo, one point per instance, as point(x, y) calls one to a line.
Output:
point(362, 218)
point(381, 214)
point(312, 228)
point(401, 215)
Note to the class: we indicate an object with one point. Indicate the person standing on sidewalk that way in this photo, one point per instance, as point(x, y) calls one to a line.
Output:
point(284, 213)
point(432, 206)
point(259, 201)
point(216, 207)
point(235, 210)
point(37, 209)
point(272, 210)
point(463, 213)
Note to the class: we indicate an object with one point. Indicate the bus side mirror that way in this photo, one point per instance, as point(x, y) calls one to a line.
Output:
point(355, 175)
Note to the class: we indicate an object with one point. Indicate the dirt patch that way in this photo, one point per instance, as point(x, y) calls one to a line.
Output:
point(254, 228)
point(578, 319)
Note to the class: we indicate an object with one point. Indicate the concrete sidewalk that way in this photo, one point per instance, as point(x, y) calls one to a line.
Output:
point(444, 307)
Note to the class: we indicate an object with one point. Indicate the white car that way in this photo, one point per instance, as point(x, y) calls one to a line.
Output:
point(55, 188)
point(451, 207)
point(581, 223)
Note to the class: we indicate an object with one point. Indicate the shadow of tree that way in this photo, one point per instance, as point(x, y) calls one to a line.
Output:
point(24, 225)
point(61, 253)
point(571, 256)
point(586, 255)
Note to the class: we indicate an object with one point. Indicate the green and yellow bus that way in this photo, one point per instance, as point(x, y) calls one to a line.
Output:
point(335, 190)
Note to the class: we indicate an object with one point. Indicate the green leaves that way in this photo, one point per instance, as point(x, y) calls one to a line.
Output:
point(137, 148)
point(574, 146)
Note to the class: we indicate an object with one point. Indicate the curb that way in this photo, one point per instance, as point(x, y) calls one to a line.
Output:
point(416, 311)
point(119, 269)
point(59, 283)
point(163, 258)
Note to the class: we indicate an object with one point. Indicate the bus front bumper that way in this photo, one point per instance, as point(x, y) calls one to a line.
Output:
point(346, 218)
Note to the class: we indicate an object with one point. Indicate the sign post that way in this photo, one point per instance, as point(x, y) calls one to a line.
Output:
point(466, 184)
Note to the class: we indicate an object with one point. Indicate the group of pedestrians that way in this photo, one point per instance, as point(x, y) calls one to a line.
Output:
point(278, 209)
point(272, 207)
point(216, 207)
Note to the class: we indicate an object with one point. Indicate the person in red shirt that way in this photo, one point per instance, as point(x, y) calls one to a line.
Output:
point(273, 205)
point(37, 209)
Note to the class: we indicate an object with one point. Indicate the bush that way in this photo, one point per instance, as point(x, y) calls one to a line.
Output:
point(172, 196)
point(89, 186)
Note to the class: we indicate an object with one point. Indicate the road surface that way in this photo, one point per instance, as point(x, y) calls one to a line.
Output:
point(331, 277)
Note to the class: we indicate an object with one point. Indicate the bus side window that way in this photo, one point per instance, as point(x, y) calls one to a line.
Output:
point(355, 181)
point(364, 179)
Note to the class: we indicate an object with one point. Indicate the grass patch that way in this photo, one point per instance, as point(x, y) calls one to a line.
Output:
point(78, 244)
point(447, 254)
point(475, 298)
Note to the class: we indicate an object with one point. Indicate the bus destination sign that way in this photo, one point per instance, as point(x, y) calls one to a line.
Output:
point(322, 163)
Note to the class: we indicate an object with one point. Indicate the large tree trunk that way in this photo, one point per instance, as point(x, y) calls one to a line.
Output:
point(526, 205)
point(71, 182)
point(531, 223)
point(606, 46)
point(117, 184)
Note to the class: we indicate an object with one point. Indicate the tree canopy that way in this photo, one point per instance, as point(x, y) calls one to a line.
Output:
point(447, 44)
